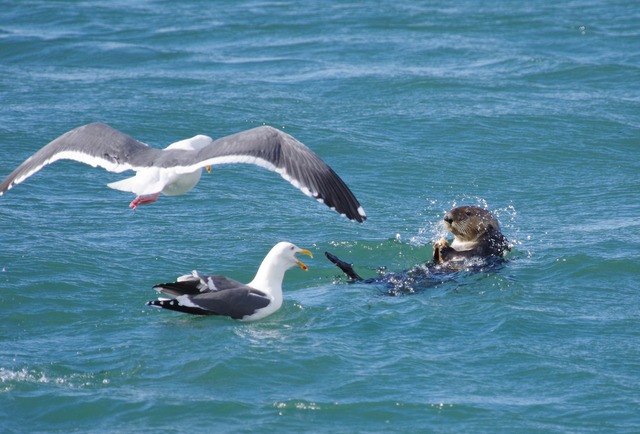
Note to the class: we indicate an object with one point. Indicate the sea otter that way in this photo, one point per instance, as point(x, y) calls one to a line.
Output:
point(476, 235)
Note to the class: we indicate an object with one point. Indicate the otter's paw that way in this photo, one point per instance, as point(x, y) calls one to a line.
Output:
point(442, 242)
point(438, 246)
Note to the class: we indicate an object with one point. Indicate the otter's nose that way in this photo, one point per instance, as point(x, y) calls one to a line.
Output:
point(448, 218)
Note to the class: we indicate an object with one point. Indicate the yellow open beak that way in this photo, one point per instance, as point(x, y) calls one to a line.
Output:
point(300, 264)
point(208, 169)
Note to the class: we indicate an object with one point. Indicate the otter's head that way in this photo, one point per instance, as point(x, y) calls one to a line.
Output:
point(470, 223)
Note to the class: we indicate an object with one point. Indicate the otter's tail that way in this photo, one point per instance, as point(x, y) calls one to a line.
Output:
point(346, 268)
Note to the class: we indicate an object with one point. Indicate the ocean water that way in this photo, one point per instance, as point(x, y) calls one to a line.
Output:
point(529, 109)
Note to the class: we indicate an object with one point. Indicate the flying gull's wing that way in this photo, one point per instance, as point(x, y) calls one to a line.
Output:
point(274, 150)
point(95, 144)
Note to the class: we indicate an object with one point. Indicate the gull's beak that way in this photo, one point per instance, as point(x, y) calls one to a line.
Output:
point(300, 264)
point(208, 169)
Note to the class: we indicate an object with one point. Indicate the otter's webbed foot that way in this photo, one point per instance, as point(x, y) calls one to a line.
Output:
point(345, 267)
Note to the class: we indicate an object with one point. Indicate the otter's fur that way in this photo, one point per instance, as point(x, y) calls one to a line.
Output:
point(476, 234)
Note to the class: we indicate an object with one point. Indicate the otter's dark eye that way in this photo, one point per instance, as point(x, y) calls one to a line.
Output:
point(468, 213)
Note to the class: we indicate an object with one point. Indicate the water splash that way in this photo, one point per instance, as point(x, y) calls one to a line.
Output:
point(10, 379)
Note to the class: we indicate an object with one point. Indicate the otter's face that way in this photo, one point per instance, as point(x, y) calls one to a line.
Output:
point(468, 223)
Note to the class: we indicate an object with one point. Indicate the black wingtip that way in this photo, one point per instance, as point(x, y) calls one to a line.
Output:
point(361, 216)
point(347, 209)
point(173, 304)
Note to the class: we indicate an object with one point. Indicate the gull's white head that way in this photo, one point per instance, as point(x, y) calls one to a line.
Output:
point(271, 272)
point(284, 254)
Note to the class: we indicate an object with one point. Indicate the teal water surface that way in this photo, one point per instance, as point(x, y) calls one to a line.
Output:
point(531, 110)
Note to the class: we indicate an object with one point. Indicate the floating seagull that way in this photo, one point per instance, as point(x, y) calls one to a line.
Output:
point(176, 169)
point(200, 294)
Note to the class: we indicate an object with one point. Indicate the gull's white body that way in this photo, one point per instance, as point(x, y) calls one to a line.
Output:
point(167, 181)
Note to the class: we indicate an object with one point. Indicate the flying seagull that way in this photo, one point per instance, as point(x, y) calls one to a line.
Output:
point(176, 169)
point(200, 294)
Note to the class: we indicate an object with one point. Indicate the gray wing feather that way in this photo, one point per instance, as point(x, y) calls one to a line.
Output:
point(277, 151)
point(236, 303)
point(95, 144)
